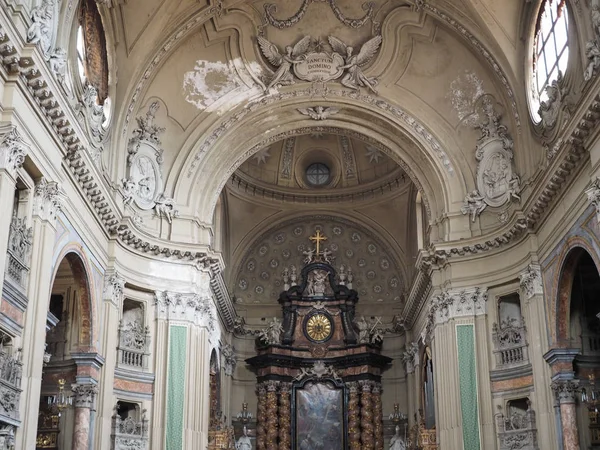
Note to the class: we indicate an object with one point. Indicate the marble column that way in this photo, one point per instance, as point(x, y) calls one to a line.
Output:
point(12, 155)
point(366, 416)
point(353, 416)
point(285, 416)
point(377, 416)
point(261, 417)
point(46, 205)
point(271, 419)
point(566, 392)
point(84, 399)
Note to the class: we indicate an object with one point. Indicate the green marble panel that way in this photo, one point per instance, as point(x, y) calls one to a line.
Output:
point(467, 375)
point(176, 387)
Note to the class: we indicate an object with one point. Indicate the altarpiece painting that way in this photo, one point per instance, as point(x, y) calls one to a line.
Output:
point(319, 416)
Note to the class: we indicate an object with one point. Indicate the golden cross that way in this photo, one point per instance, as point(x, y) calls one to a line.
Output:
point(317, 238)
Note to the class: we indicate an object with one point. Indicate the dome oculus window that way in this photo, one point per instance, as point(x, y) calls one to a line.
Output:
point(551, 49)
point(318, 174)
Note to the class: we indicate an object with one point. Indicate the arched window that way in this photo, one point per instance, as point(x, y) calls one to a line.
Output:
point(92, 59)
point(551, 49)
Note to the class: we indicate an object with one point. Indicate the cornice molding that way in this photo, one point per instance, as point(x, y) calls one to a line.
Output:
point(85, 173)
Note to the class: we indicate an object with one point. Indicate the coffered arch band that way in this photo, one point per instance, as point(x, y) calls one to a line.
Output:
point(440, 175)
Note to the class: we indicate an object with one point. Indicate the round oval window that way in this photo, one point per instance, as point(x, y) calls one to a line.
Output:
point(318, 174)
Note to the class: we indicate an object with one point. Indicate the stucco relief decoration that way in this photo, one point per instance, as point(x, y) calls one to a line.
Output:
point(228, 360)
point(531, 281)
point(44, 21)
point(13, 149)
point(318, 370)
point(307, 60)
point(497, 184)
point(319, 112)
point(144, 183)
point(281, 24)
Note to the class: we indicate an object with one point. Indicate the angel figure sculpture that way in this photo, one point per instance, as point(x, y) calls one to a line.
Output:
point(355, 77)
point(293, 55)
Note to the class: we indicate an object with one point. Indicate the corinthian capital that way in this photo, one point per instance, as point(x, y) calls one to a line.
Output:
point(84, 395)
point(565, 390)
point(191, 308)
point(454, 303)
point(113, 287)
point(12, 149)
point(593, 195)
point(531, 281)
point(47, 200)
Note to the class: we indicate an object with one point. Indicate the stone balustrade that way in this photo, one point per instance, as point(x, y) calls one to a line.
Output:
point(134, 343)
point(510, 343)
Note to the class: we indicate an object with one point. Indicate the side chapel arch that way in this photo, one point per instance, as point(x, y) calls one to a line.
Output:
point(569, 266)
point(82, 277)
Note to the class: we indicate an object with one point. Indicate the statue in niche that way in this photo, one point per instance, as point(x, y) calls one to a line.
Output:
point(355, 77)
point(397, 442)
point(293, 55)
point(317, 283)
point(244, 442)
